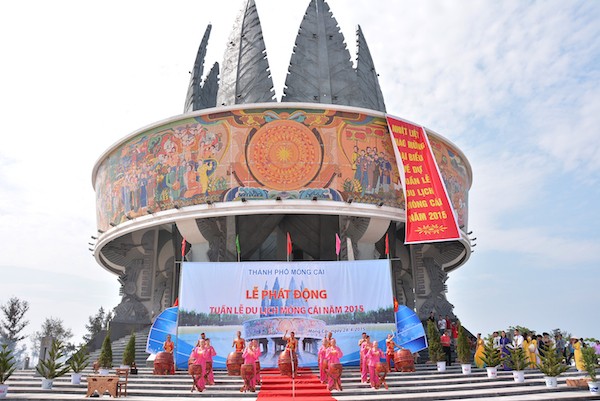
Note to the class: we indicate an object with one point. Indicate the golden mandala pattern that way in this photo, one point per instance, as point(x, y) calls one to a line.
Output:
point(284, 155)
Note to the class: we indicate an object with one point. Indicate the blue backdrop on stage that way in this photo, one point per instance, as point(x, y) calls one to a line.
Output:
point(164, 324)
point(409, 330)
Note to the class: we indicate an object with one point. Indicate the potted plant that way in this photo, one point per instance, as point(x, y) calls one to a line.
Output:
point(77, 363)
point(551, 366)
point(129, 352)
point(7, 367)
point(436, 354)
point(463, 351)
point(590, 363)
point(52, 367)
point(518, 361)
point(492, 357)
point(106, 356)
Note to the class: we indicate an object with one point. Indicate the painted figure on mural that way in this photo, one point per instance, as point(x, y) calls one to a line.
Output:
point(354, 160)
point(157, 168)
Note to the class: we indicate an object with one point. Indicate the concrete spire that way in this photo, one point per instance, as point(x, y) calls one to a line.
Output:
point(193, 100)
point(245, 76)
point(368, 81)
point(320, 69)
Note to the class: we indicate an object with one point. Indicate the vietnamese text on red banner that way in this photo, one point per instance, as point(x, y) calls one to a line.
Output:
point(429, 215)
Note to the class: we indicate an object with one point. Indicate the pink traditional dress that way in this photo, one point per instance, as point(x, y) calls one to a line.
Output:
point(333, 356)
point(364, 369)
point(210, 353)
point(321, 356)
point(199, 359)
point(373, 357)
point(250, 358)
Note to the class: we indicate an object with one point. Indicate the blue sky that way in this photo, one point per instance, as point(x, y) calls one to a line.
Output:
point(514, 84)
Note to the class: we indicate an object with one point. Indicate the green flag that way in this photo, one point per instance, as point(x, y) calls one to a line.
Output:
point(237, 244)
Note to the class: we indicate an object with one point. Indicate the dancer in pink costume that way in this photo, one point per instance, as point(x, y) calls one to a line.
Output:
point(250, 355)
point(321, 357)
point(364, 368)
point(198, 357)
point(373, 357)
point(210, 353)
point(256, 348)
point(333, 356)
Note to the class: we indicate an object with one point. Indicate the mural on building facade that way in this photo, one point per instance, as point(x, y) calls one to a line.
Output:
point(261, 154)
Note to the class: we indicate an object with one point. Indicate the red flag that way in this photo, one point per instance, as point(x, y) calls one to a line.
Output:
point(289, 244)
point(176, 302)
point(395, 305)
point(338, 244)
point(183, 248)
point(387, 243)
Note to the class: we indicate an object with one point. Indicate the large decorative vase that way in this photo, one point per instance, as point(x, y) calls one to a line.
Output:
point(441, 366)
point(75, 378)
point(285, 363)
point(404, 361)
point(3, 390)
point(163, 364)
point(551, 381)
point(234, 363)
point(47, 384)
point(466, 368)
point(492, 372)
point(593, 387)
point(519, 376)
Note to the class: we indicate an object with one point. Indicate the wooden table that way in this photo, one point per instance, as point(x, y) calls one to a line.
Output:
point(102, 384)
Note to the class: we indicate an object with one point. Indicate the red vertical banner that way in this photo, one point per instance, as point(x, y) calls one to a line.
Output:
point(429, 213)
point(183, 248)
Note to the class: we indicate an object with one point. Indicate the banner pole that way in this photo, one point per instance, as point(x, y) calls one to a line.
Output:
point(293, 375)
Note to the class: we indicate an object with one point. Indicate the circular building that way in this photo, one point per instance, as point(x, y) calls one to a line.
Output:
point(238, 172)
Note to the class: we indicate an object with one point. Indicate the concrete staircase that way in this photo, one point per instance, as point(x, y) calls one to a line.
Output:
point(424, 384)
point(118, 347)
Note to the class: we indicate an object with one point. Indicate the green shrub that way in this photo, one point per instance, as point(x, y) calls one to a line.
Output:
point(129, 353)
point(51, 368)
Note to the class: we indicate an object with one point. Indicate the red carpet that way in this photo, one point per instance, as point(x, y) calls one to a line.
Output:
point(305, 387)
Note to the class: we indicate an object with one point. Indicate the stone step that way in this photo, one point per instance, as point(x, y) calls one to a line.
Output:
point(118, 347)
point(424, 384)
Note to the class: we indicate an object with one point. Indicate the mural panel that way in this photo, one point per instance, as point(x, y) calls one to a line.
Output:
point(261, 154)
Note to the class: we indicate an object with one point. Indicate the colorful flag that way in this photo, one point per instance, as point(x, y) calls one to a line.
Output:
point(338, 244)
point(387, 243)
point(289, 244)
point(176, 302)
point(396, 305)
point(237, 244)
point(182, 248)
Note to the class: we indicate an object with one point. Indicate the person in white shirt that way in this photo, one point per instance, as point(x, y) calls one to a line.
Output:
point(496, 339)
point(517, 340)
point(442, 325)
